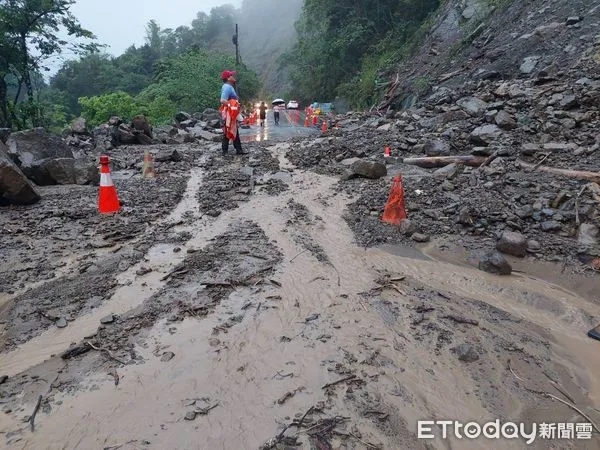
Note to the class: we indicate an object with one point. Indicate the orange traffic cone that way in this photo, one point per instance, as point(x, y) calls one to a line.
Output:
point(394, 212)
point(314, 121)
point(306, 121)
point(324, 127)
point(386, 152)
point(148, 166)
point(108, 202)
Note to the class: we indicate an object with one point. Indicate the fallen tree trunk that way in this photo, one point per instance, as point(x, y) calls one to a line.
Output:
point(441, 161)
point(580, 174)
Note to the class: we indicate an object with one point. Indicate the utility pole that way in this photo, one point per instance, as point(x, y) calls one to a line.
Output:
point(236, 42)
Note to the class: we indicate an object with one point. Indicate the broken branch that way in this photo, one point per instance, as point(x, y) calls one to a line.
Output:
point(442, 161)
point(351, 377)
point(579, 174)
point(108, 353)
point(35, 411)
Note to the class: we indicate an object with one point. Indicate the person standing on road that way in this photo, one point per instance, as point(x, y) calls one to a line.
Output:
point(263, 113)
point(276, 110)
point(228, 93)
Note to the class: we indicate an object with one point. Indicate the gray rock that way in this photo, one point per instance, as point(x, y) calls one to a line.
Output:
point(437, 148)
point(505, 121)
point(125, 135)
point(79, 126)
point(141, 123)
point(440, 96)
point(550, 225)
point(407, 227)
point(108, 319)
point(27, 147)
point(190, 415)
point(199, 133)
point(349, 161)
point(472, 106)
point(168, 155)
point(115, 121)
point(533, 246)
point(588, 235)
point(494, 262)
point(525, 211)
point(15, 188)
point(466, 353)
point(86, 172)
point(167, 356)
point(61, 323)
point(529, 64)
point(4, 134)
point(529, 149)
point(464, 217)
point(573, 20)
point(447, 172)
point(569, 102)
point(512, 243)
point(182, 116)
point(420, 237)
point(368, 169)
point(485, 134)
point(3, 379)
point(61, 170)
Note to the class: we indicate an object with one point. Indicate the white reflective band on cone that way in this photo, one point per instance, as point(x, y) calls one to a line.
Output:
point(105, 180)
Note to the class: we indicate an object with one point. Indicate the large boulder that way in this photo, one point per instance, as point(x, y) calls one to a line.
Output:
point(494, 262)
point(106, 137)
point(140, 123)
point(200, 133)
point(61, 170)
point(125, 135)
point(79, 126)
point(29, 146)
point(86, 172)
point(182, 116)
point(369, 169)
point(210, 114)
point(437, 148)
point(15, 188)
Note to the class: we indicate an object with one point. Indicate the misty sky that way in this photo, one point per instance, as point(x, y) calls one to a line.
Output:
point(120, 23)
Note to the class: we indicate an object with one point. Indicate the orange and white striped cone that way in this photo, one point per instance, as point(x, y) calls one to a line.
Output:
point(314, 120)
point(324, 127)
point(108, 201)
point(386, 152)
point(148, 166)
point(306, 121)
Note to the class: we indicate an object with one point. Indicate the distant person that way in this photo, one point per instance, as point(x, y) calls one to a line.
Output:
point(276, 110)
point(228, 93)
point(262, 113)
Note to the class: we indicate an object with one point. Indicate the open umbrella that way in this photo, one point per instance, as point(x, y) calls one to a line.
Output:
point(278, 101)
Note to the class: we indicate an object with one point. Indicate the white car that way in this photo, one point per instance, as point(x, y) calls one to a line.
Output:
point(293, 104)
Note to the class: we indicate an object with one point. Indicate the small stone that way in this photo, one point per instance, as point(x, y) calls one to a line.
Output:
point(190, 415)
point(448, 171)
point(529, 149)
point(167, 356)
point(61, 323)
point(176, 249)
point(512, 243)
point(524, 212)
point(551, 225)
point(108, 319)
point(505, 121)
point(529, 64)
point(588, 235)
point(573, 20)
point(407, 227)
point(437, 148)
point(420, 237)
point(464, 217)
point(143, 271)
point(533, 246)
point(494, 262)
point(466, 353)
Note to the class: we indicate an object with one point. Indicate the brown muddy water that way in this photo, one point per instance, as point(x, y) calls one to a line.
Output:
point(322, 318)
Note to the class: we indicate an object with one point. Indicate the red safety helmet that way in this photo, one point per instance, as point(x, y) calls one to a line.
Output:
point(226, 74)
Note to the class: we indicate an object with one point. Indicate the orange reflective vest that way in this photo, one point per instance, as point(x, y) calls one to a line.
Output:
point(229, 113)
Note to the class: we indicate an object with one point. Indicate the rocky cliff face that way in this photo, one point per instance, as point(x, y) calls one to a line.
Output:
point(475, 40)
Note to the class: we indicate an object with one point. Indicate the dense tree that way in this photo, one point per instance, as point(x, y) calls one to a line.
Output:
point(33, 26)
point(341, 44)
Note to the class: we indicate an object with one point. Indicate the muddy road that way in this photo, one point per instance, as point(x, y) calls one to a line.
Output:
point(230, 306)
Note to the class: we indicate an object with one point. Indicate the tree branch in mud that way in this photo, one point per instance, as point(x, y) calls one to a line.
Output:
point(459, 319)
point(579, 174)
point(108, 353)
point(35, 411)
point(351, 377)
point(442, 161)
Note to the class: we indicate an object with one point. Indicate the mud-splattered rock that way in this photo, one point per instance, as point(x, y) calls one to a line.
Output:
point(437, 148)
point(472, 106)
point(550, 225)
point(190, 415)
point(505, 121)
point(61, 323)
point(167, 356)
point(15, 188)
point(588, 234)
point(368, 169)
point(533, 246)
point(485, 134)
point(108, 319)
point(512, 243)
point(495, 263)
point(466, 353)
point(420, 237)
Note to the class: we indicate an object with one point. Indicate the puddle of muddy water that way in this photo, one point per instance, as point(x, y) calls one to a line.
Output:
point(239, 369)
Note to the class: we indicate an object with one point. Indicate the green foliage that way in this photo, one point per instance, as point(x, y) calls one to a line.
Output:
point(192, 83)
point(342, 46)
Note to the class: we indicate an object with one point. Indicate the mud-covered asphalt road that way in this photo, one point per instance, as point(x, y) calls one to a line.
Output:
point(229, 306)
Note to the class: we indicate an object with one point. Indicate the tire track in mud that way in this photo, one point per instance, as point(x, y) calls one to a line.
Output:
point(267, 350)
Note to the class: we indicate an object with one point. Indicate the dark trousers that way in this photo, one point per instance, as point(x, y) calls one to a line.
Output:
point(276, 116)
point(237, 144)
